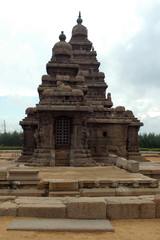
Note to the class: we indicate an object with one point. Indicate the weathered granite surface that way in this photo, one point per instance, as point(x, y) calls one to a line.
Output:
point(74, 123)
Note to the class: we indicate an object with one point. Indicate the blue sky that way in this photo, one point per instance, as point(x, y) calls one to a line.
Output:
point(125, 34)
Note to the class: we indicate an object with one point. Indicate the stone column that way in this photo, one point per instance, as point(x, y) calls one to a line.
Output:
point(133, 143)
point(52, 163)
point(77, 125)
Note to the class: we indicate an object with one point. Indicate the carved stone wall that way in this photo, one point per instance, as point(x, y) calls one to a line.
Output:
point(74, 91)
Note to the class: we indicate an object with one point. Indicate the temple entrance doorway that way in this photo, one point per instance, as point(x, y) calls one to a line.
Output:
point(62, 141)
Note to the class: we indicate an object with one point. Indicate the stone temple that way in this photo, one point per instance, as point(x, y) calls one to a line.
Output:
point(74, 123)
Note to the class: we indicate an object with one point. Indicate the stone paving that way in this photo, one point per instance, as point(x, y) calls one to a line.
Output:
point(78, 193)
point(69, 225)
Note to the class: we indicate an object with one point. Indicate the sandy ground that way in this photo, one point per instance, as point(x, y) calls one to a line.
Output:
point(124, 230)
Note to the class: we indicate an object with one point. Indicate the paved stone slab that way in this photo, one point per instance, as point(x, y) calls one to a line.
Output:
point(63, 184)
point(63, 225)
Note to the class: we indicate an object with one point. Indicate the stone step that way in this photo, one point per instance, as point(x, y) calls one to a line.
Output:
point(97, 192)
point(51, 210)
point(83, 192)
point(104, 192)
point(23, 174)
point(142, 207)
point(22, 192)
point(62, 225)
point(114, 183)
point(63, 185)
point(64, 194)
point(131, 207)
point(62, 162)
point(123, 191)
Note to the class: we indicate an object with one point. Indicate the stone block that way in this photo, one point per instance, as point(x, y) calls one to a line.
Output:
point(25, 184)
point(5, 192)
point(133, 166)
point(122, 163)
point(64, 194)
point(97, 192)
point(86, 183)
point(87, 208)
point(23, 174)
point(130, 208)
point(63, 185)
point(157, 202)
point(4, 184)
point(8, 209)
point(106, 183)
point(130, 165)
point(3, 175)
point(42, 210)
point(7, 198)
point(147, 209)
point(122, 209)
point(112, 159)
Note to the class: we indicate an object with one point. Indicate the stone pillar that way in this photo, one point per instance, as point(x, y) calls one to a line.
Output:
point(28, 142)
point(45, 151)
point(77, 123)
point(133, 143)
point(52, 163)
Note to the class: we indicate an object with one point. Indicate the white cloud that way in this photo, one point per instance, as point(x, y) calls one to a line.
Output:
point(125, 35)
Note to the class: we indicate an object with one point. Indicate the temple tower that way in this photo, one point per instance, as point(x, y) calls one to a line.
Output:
point(74, 123)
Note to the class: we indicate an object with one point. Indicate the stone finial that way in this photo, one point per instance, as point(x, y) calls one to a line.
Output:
point(79, 20)
point(62, 36)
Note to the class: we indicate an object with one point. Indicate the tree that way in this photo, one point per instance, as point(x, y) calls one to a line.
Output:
point(11, 139)
point(150, 140)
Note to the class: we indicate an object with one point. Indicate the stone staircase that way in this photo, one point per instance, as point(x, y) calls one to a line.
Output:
point(26, 182)
point(24, 194)
point(135, 207)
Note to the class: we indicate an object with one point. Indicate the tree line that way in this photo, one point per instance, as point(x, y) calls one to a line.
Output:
point(11, 139)
point(150, 140)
